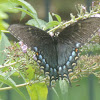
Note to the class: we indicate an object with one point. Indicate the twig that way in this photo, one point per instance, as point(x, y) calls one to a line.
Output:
point(8, 88)
point(21, 85)
point(6, 65)
point(5, 31)
point(72, 21)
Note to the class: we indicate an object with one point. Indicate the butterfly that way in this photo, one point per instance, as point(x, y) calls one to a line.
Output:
point(58, 54)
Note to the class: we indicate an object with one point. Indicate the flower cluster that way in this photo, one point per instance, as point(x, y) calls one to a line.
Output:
point(23, 47)
point(22, 58)
point(95, 3)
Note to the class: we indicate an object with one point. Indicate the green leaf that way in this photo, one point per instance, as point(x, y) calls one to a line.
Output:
point(57, 16)
point(28, 9)
point(59, 92)
point(27, 6)
point(38, 91)
point(8, 82)
point(30, 72)
point(50, 17)
point(3, 15)
point(63, 84)
point(52, 24)
point(3, 1)
point(8, 75)
point(30, 14)
point(6, 7)
point(3, 25)
point(4, 43)
point(25, 11)
point(23, 14)
point(33, 22)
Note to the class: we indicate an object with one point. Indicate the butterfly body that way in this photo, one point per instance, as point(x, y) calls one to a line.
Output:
point(57, 54)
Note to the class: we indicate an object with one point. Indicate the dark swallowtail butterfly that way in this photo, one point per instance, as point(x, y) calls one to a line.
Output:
point(58, 54)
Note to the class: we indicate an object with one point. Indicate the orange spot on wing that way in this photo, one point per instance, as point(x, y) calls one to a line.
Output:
point(76, 50)
point(37, 54)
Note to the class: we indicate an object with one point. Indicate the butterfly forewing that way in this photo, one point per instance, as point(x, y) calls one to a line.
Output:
point(80, 31)
point(35, 37)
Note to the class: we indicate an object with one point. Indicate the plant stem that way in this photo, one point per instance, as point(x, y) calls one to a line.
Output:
point(73, 21)
point(6, 65)
point(21, 85)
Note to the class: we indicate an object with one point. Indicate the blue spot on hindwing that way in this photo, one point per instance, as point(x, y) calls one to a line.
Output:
point(35, 49)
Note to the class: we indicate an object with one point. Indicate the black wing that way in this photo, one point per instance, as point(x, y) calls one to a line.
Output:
point(78, 32)
point(58, 53)
point(35, 37)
